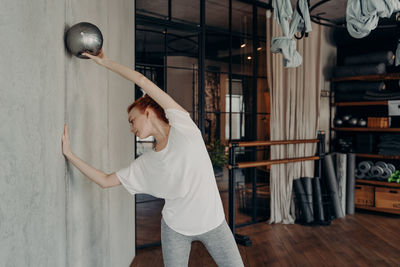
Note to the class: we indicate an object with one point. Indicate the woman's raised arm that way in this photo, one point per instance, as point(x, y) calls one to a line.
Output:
point(162, 98)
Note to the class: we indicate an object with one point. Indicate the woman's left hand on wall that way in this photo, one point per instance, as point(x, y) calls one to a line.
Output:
point(66, 146)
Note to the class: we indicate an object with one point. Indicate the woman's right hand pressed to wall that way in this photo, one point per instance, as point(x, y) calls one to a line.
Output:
point(99, 59)
point(66, 145)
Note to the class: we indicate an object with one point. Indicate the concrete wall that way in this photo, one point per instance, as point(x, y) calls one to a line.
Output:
point(50, 214)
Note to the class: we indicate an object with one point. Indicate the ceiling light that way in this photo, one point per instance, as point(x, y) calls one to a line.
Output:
point(249, 57)
point(259, 48)
point(243, 45)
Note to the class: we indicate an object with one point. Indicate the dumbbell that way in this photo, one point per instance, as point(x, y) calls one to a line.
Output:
point(338, 122)
point(353, 122)
point(362, 123)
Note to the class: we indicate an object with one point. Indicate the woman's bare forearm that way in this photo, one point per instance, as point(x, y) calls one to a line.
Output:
point(93, 174)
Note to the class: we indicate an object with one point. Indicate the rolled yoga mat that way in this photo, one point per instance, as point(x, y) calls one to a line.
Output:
point(349, 97)
point(376, 172)
point(386, 174)
point(302, 201)
point(391, 167)
point(307, 185)
point(381, 164)
point(317, 198)
point(386, 57)
point(355, 87)
point(346, 71)
point(350, 182)
point(360, 175)
point(341, 165)
point(365, 166)
point(332, 185)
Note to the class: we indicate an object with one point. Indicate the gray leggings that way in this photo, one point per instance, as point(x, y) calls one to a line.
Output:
point(219, 242)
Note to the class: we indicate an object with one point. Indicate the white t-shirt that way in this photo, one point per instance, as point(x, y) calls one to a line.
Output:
point(182, 174)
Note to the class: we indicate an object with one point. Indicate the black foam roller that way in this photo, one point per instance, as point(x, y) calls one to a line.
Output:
point(307, 184)
point(302, 201)
point(386, 57)
point(333, 186)
point(346, 71)
point(355, 87)
point(350, 182)
point(318, 205)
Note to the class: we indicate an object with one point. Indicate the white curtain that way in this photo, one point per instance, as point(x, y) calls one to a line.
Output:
point(295, 98)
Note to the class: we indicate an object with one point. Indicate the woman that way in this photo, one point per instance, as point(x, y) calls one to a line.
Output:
point(178, 169)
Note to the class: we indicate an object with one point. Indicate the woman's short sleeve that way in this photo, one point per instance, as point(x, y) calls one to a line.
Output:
point(132, 177)
point(179, 119)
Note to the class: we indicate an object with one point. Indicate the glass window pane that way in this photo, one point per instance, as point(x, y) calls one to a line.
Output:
point(149, 45)
point(154, 74)
point(217, 52)
point(263, 193)
point(182, 85)
point(242, 108)
point(182, 49)
point(242, 17)
point(217, 13)
point(212, 127)
point(242, 56)
point(142, 147)
point(148, 219)
point(186, 11)
point(263, 97)
point(261, 59)
point(216, 87)
point(263, 129)
point(261, 22)
point(152, 8)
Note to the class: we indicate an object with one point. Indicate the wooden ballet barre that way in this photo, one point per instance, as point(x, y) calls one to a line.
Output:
point(270, 143)
point(242, 165)
point(234, 166)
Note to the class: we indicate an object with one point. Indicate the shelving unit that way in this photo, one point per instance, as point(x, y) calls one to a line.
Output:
point(377, 209)
point(374, 195)
point(365, 129)
point(370, 78)
point(376, 156)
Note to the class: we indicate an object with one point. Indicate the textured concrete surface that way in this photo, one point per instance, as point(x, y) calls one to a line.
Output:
point(50, 214)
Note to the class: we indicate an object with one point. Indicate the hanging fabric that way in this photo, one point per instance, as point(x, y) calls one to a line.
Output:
point(299, 22)
point(362, 16)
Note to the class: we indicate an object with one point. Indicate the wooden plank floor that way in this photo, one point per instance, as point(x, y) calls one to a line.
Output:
point(363, 239)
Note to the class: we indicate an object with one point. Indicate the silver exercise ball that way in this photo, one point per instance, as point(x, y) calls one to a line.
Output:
point(84, 37)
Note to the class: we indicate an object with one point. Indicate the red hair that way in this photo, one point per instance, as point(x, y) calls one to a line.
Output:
point(146, 101)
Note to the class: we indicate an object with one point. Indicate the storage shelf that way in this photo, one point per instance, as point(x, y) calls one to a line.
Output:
point(378, 209)
point(361, 103)
point(365, 129)
point(362, 181)
point(375, 77)
point(376, 156)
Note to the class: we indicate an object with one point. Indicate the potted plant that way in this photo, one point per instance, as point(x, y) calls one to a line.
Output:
point(218, 156)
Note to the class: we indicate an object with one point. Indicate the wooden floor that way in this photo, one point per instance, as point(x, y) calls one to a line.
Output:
point(363, 239)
